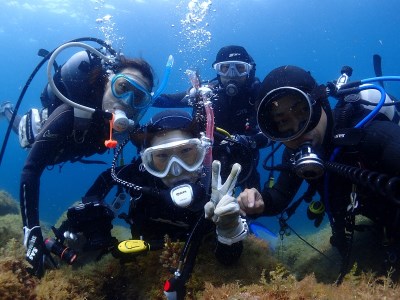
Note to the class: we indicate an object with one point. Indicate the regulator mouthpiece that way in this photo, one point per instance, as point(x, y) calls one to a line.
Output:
point(231, 90)
point(121, 122)
point(307, 164)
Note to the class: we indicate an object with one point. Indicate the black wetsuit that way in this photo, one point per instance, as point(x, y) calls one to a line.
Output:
point(237, 115)
point(376, 147)
point(59, 140)
point(153, 217)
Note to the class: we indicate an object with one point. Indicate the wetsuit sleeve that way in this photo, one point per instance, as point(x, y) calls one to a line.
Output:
point(104, 182)
point(277, 198)
point(45, 150)
point(171, 100)
point(100, 188)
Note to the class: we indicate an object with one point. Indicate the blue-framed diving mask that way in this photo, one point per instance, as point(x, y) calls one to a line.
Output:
point(233, 68)
point(130, 91)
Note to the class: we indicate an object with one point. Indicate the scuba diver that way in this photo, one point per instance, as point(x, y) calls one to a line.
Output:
point(234, 92)
point(167, 195)
point(93, 94)
point(349, 156)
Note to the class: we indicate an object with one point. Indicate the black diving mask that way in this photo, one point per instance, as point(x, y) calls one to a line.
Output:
point(286, 113)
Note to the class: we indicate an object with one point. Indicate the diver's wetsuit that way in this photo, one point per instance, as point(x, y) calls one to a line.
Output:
point(377, 149)
point(153, 217)
point(59, 140)
point(235, 114)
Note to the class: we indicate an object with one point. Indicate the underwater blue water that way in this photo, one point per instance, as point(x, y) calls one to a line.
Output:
point(318, 35)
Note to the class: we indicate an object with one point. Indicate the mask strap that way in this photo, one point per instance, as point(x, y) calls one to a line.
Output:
point(111, 144)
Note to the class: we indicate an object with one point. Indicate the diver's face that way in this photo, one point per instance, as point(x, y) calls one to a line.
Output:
point(159, 162)
point(315, 136)
point(111, 103)
point(291, 115)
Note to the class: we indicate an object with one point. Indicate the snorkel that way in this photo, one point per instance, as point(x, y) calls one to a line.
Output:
point(167, 72)
point(168, 67)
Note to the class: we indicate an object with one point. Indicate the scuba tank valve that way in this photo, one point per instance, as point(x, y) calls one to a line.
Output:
point(344, 78)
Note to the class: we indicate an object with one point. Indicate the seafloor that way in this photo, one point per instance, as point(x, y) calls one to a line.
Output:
point(293, 271)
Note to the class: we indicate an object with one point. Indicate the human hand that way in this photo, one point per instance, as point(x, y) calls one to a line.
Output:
point(35, 250)
point(250, 202)
point(331, 88)
point(203, 91)
point(223, 208)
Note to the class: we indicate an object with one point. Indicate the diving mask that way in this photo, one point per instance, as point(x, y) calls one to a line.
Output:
point(285, 113)
point(129, 90)
point(233, 68)
point(168, 158)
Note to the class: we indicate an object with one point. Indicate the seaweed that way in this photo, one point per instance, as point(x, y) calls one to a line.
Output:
point(8, 205)
point(294, 271)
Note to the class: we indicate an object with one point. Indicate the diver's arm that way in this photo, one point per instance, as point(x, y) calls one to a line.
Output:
point(271, 201)
point(172, 100)
point(44, 153)
point(45, 150)
point(277, 198)
point(104, 182)
point(100, 188)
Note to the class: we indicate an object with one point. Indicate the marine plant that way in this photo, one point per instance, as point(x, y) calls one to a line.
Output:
point(8, 205)
point(257, 275)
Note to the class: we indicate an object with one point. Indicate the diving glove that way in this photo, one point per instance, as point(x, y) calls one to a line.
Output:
point(223, 208)
point(35, 250)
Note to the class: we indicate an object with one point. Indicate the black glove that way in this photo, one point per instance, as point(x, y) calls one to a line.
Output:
point(261, 141)
point(245, 140)
point(35, 250)
point(331, 88)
